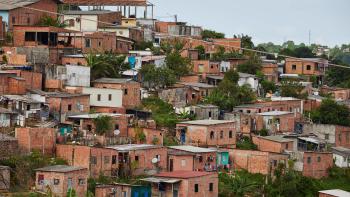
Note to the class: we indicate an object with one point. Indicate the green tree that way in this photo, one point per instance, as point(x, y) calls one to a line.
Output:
point(201, 52)
point(228, 94)
point(49, 21)
point(103, 125)
point(173, 60)
point(268, 86)
point(71, 193)
point(292, 89)
point(251, 66)
point(106, 65)
point(238, 185)
point(207, 34)
point(331, 112)
point(246, 41)
point(157, 77)
point(245, 143)
point(162, 112)
point(143, 45)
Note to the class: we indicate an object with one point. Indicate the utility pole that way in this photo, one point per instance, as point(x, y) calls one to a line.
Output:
point(175, 16)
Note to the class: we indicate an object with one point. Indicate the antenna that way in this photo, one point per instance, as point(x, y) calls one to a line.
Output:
point(309, 37)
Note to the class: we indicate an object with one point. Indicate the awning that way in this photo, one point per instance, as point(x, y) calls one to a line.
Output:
point(160, 180)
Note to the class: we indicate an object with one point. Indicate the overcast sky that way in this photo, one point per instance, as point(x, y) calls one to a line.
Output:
point(266, 20)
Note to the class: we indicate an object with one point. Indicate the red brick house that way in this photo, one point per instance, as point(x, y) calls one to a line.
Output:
point(85, 123)
point(60, 179)
point(62, 104)
point(17, 15)
point(152, 135)
point(274, 143)
point(317, 164)
point(39, 139)
point(257, 161)
point(336, 93)
point(115, 160)
point(191, 158)
point(207, 133)
point(130, 88)
point(184, 183)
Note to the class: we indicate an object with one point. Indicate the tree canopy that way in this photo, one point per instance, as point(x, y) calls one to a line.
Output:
point(229, 94)
point(206, 34)
point(157, 77)
point(330, 112)
point(251, 66)
point(106, 65)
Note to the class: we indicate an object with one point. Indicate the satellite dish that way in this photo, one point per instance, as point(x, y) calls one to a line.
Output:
point(116, 132)
point(154, 160)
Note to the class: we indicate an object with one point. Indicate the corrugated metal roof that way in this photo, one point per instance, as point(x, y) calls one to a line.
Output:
point(60, 168)
point(206, 122)
point(336, 192)
point(12, 4)
point(275, 113)
point(192, 149)
point(114, 80)
point(130, 147)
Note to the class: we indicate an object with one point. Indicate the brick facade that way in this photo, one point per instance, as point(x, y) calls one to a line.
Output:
point(317, 164)
point(39, 139)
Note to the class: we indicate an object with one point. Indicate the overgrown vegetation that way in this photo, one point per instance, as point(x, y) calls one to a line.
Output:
point(157, 77)
point(229, 94)
point(103, 125)
point(23, 168)
point(207, 34)
point(246, 143)
point(49, 21)
point(330, 112)
point(106, 65)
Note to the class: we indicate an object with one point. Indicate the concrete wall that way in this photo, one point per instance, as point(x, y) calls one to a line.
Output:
point(78, 76)
point(321, 130)
point(116, 97)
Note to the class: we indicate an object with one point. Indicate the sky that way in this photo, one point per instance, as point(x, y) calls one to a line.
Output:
point(266, 20)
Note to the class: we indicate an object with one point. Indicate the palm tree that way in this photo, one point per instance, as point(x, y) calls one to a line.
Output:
point(236, 185)
point(106, 65)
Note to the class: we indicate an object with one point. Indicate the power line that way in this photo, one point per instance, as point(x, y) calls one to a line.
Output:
point(190, 38)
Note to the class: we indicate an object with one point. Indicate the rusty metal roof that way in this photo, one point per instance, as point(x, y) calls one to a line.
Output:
point(107, 2)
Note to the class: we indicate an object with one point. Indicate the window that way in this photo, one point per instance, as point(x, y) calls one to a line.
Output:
point(13, 20)
point(248, 111)
point(99, 97)
point(116, 127)
point(41, 179)
point(275, 163)
point(230, 134)
point(69, 107)
point(308, 67)
point(114, 159)
point(81, 181)
point(212, 135)
point(99, 43)
point(29, 36)
point(93, 160)
point(109, 97)
point(221, 134)
point(196, 188)
point(308, 159)
point(87, 42)
point(287, 146)
point(28, 20)
point(211, 66)
point(210, 114)
point(326, 136)
point(183, 163)
point(106, 159)
point(71, 22)
point(136, 158)
point(56, 181)
point(211, 187)
point(125, 91)
point(28, 107)
point(294, 67)
point(318, 159)
point(158, 157)
point(200, 158)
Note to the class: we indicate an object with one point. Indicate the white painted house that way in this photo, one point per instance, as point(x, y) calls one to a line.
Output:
point(341, 156)
point(104, 97)
point(78, 75)
point(252, 80)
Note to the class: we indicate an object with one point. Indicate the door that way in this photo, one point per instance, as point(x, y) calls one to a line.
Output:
point(171, 165)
